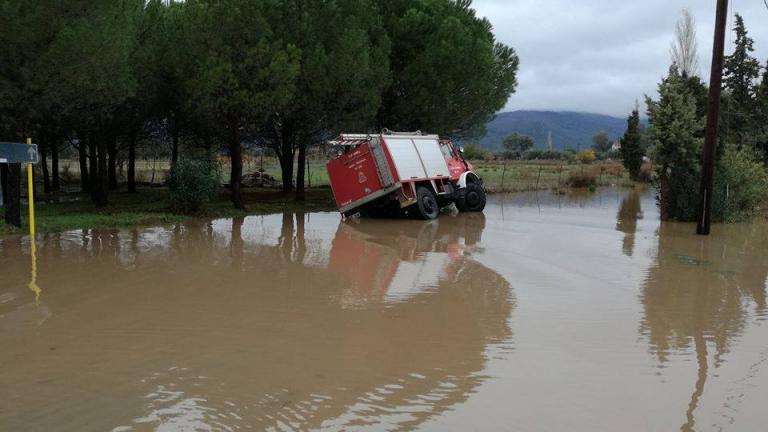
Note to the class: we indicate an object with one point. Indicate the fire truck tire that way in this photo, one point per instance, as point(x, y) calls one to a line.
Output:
point(470, 198)
point(426, 204)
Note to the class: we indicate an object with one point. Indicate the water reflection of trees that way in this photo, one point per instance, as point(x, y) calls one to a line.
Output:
point(629, 214)
point(700, 293)
point(260, 323)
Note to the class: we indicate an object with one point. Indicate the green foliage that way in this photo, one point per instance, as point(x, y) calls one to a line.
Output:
point(740, 70)
point(601, 142)
point(516, 145)
point(741, 186)
point(631, 150)
point(473, 152)
point(193, 182)
point(283, 73)
point(449, 75)
point(244, 75)
point(675, 126)
point(761, 120)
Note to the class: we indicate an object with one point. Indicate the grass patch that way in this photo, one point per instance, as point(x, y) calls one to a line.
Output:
point(518, 176)
point(151, 206)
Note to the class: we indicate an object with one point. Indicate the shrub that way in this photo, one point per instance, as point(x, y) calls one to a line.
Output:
point(586, 156)
point(741, 186)
point(193, 182)
point(581, 179)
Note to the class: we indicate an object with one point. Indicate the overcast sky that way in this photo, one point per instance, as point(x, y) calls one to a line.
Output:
point(601, 55)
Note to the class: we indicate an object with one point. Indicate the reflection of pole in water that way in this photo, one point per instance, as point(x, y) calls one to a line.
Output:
point(33, 269)
point(700, 344)
point(701, 359)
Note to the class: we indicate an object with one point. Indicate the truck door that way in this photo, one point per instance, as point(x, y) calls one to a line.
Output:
point(453, 159)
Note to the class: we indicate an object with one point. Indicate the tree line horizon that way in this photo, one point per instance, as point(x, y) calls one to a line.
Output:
point(202, 76)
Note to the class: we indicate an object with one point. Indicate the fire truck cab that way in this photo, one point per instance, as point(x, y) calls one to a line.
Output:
point(402, 173)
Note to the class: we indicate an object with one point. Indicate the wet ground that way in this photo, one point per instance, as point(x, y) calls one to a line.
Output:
point(548, 313)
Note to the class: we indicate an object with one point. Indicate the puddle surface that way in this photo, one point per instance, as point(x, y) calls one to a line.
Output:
point(579, 312)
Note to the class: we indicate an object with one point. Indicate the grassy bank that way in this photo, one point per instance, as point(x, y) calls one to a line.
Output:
point(150, 206)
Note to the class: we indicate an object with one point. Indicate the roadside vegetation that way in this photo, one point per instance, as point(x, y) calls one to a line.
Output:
point(109, 84)
point(676, 134)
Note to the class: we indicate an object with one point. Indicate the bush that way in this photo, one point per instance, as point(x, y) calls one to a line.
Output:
point(581, 179)
point(586, 156)
point(193, 182)
point(741, 186)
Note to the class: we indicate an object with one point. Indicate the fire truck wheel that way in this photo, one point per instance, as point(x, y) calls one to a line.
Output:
point(471, 198)
point(426, 204)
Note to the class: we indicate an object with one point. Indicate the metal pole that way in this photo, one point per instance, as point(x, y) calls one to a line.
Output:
point(713, 114)
point(31, 192)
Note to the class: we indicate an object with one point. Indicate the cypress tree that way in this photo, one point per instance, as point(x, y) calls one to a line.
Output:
point(676, 128)
point(631, 150)
point(761, 122)
point(740, 72)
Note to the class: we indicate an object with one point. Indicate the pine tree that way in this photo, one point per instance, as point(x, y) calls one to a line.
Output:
point(741, 70)
point(631, 151)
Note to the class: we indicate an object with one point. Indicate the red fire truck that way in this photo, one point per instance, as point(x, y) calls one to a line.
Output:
point(402, 173)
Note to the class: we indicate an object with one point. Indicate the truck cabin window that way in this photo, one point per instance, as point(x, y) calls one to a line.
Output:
point(447, 151)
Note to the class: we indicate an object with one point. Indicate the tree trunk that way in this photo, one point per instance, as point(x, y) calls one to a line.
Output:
point(112, 162)
point(103, 177)
point(236, 173)
point(93, 169)
point(285, 155)
point(44, 165)
point(175, 141)
point(664, 194)
point(12, 197)
point(286, 169)
point(132, 162)
point(300, 170)
point(55, 179)
point(85, 183)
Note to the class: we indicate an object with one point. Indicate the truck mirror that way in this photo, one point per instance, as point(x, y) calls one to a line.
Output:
point(461, 149)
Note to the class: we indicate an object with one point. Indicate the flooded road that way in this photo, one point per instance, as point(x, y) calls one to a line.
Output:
point(548, 313)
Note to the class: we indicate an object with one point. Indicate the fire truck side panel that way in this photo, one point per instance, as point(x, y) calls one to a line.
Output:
point(354, 178)
point(405, 158)
point(432, 158)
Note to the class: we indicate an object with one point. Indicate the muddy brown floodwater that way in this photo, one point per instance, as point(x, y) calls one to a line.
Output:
point(548, 313)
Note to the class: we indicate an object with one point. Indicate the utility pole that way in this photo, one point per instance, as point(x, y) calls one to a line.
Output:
point(713, 115)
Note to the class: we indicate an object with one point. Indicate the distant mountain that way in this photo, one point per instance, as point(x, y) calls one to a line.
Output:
point(569, 129)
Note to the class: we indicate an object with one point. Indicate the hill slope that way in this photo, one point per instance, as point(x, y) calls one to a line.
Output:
point(569, 129)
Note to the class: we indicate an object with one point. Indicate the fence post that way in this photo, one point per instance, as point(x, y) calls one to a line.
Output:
point(538, 177)
point(503, 172)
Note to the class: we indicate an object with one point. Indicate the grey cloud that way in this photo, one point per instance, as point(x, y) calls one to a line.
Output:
point(600, 56)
